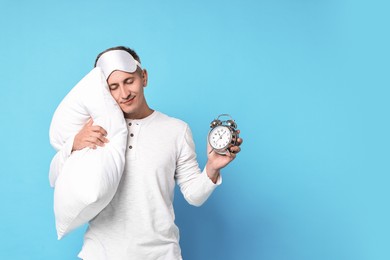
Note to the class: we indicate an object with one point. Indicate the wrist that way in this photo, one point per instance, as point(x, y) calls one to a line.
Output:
point(212, 173)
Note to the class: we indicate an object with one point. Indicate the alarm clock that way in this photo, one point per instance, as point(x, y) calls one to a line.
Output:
point(223, 134)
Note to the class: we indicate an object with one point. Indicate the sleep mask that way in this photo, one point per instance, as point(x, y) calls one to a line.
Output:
point(113, 60)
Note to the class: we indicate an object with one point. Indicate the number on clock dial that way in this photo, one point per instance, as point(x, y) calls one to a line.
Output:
point(220, 137)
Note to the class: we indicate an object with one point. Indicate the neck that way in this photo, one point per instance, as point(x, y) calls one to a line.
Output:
point(139, 115)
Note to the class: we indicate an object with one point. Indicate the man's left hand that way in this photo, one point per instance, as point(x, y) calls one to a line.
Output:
point(218, 161)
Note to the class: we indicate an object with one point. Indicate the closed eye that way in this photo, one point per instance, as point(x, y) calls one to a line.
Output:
point(113, 86)
point(129, 81)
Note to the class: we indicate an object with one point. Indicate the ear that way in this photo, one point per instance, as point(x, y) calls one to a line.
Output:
point(144, 77)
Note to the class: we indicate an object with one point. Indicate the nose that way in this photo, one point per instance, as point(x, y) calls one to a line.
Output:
point(125, 92)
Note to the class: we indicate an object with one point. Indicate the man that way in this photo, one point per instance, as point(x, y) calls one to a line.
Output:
point(139, 221)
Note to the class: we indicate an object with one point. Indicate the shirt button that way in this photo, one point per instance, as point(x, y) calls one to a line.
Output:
point(130, 147)
point(131, 135)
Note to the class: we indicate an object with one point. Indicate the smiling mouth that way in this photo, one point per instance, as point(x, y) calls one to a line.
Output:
point(127, 101)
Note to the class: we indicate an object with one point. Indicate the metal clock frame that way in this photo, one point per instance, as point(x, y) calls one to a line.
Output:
point(231, 126)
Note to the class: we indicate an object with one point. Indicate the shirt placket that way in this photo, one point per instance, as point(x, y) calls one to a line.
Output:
point(133, 133)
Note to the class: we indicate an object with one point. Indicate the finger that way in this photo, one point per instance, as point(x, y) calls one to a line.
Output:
point(95, 141)
point(239, 141)
point(89, 122)
point(231, 153)
point(235, 149)
point(99, 136)
point(94, 147)
point(99, 129)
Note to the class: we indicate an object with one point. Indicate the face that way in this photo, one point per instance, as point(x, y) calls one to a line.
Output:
point(220, 137)
point(128, 91)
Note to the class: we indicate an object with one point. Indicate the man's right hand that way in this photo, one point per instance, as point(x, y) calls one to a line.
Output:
point(90, 136)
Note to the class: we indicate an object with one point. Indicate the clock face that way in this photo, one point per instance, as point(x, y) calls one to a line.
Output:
point(220, 137)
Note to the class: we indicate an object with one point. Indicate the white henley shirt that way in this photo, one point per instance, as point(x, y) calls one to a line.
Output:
point(139, 221)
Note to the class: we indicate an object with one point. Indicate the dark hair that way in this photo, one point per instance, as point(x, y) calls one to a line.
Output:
point(123, 48)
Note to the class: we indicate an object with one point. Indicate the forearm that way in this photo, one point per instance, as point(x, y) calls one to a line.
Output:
point(198, 189)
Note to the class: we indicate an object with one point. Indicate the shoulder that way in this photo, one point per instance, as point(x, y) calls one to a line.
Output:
point(171, 122)
point(172, 129)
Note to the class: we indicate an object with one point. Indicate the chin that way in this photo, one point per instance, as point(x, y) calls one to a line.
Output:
point(128, 111)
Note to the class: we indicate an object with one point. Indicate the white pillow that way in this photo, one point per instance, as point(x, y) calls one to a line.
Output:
point(89, 178)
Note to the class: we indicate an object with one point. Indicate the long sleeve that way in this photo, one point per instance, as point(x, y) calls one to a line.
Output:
point(58, 161)
point(195, 186)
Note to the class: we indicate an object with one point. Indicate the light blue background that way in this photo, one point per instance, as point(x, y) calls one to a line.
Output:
point(306, 81)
